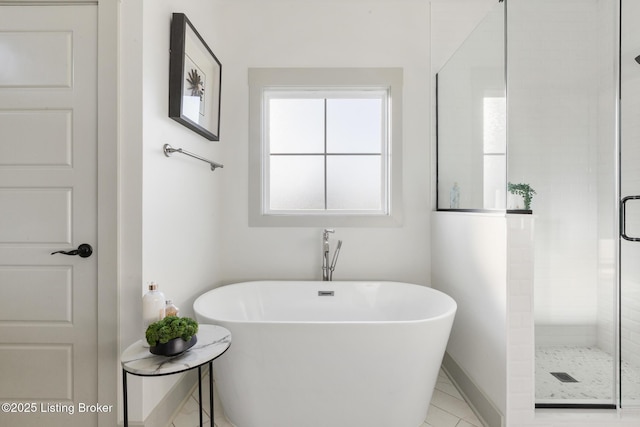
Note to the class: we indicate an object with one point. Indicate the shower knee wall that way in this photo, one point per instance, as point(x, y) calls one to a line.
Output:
point(469, 263)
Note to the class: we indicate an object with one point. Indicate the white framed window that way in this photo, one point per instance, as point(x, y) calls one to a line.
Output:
point(325, 147)
point(326, 151)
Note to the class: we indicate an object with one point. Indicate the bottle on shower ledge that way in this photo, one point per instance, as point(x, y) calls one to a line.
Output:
point(454, 196)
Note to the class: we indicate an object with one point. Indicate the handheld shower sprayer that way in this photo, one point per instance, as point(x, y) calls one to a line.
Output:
point(334, 260)
point(327, 268)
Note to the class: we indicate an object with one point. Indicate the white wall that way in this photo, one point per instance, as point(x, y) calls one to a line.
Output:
point(334, 33)
point(469, 260)
point(170, 207)
point(468, 255)
point(187, 228)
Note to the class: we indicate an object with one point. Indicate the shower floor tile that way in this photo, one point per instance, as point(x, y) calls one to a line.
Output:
point(592, 367)
point(447, 409)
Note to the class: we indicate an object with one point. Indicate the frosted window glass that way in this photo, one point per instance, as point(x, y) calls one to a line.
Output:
point(296, 125)
point(296, 182)
point(354, 125)
point(494, 126)
point(494, 190)
point(354, 182)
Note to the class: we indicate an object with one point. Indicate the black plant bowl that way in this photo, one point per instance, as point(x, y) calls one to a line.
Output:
point(173, 347)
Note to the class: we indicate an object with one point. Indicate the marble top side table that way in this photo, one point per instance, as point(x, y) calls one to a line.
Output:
point(213, 341)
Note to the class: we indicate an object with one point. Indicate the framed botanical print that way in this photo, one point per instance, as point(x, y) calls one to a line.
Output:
point(195, 77)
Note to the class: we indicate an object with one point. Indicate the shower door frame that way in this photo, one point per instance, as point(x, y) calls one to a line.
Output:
point(627, 193)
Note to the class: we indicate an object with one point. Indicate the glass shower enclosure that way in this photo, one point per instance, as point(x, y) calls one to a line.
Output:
point(538, 114)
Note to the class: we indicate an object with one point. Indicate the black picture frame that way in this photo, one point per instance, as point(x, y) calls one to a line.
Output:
point(195, 80)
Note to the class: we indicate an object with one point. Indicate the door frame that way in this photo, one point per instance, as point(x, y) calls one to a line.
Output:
point(107, 245)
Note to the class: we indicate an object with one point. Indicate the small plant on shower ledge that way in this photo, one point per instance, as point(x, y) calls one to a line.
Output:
point(523, 190)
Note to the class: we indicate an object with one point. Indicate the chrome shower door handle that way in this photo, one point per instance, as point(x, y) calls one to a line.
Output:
point(623, 218)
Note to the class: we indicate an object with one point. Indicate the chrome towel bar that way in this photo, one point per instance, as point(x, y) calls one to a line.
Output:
point(168, 150)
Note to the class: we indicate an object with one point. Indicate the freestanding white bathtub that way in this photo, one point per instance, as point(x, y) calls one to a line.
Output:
point(366, 356)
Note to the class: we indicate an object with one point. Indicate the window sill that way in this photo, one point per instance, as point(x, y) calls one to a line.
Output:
point(332, 220)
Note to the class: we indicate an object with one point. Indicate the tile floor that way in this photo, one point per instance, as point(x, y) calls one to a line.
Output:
point(447, 409)
point(590, 366)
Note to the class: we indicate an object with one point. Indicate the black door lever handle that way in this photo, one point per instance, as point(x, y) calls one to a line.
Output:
point(84, 251)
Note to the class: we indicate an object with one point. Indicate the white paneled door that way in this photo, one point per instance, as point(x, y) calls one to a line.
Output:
point(48, 190)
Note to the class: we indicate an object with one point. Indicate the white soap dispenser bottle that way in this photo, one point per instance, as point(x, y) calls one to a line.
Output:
point(153, 307)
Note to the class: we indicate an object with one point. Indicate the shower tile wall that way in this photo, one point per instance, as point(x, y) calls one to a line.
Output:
point(607, 12)
point(553, 147)
point(520, 341)
point(631, 326)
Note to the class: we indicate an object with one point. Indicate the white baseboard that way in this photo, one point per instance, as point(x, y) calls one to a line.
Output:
point(484, 408)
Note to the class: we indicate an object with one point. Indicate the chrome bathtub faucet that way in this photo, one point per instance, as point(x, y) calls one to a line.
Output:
point(327, 269)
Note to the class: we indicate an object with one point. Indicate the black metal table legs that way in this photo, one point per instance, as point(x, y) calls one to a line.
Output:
point(124, 398)
point(211, 414)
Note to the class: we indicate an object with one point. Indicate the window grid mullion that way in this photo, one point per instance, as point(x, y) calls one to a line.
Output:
point(325, 155)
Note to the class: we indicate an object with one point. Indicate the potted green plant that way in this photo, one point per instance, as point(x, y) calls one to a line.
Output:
point(171, 335)
point(523, 190)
